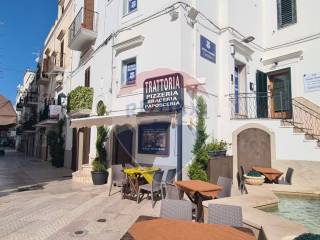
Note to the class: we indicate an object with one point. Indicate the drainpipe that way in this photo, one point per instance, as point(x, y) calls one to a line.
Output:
point(179, 147)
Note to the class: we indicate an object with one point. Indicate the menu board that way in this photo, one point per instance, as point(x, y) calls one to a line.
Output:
point(154, 139)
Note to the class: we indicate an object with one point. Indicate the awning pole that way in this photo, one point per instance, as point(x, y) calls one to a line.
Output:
point(179, 139)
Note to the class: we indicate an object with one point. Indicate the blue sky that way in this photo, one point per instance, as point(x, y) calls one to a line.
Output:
point(24, 25)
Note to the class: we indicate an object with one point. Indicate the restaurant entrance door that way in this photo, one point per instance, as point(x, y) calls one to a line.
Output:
point(123, 147)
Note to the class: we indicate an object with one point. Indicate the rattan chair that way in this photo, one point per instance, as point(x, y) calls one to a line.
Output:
point(154, 188)
point(225, 214)
point(226, 184)
point(176, 209)
point(288, 178)
point(117, 177)
point(171, 174)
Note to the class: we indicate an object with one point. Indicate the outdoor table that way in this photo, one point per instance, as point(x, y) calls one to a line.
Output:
point(134, 176)
point(146, 228)
point(198, 191)
point(272, 175)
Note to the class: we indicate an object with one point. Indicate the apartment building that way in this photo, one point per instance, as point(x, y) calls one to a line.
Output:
point(26, 107)
point(252, 60)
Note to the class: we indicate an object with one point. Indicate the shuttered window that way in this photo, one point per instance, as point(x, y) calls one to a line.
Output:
point(87, 77)
point(287, 13)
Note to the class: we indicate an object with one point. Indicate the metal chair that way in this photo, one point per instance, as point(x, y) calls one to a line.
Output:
point(241, 183)
point(225, 214)
point(176, 209)
point(117, 177)
point(288, 178)
point(226, 184)
point(154, 187)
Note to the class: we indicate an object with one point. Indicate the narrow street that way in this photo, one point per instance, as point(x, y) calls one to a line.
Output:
point(61, 207)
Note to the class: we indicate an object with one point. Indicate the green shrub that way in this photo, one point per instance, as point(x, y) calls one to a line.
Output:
point(98, 166)
point(308, 236)
point(101, 109)
point(216, 146)
point(196, 172)
point(80, 98)
point(56, 144)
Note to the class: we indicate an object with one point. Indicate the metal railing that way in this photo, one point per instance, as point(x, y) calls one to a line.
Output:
point(30, 98)
point(305, 119)
point(260, 105)
point(86, 19)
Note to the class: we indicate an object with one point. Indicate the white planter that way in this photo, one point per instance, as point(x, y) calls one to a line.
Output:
point(254, 180)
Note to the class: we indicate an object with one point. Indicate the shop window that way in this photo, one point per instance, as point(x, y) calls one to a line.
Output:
point(154, 139)
point(129, 6)
point(129, 71)
point(287, 13)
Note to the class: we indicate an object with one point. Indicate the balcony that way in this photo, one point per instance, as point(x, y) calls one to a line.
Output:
point(42, 73)
point(83, 30)
point(50, 115)
point(31, 99)
point(260, 106)
point(56, 63)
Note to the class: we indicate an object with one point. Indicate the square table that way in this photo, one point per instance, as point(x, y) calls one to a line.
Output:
point(134, 177)
point(146, 228)
point(198, 191)
point(272, 175)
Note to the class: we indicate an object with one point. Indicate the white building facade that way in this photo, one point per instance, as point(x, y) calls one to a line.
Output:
point(254, 62)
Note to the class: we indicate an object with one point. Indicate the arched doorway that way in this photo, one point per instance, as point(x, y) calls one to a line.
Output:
point(123, 145)
point(254, 148)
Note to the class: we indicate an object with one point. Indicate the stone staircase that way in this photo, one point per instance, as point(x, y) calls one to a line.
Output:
point(305, 120)
point(83, 175)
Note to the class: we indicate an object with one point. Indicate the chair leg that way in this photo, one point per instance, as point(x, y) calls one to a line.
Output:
point(162, 195)
point(110, 189)
point(138, 196)
point(152, 200)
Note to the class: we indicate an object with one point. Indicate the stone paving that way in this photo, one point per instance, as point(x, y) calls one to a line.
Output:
point(62, 207)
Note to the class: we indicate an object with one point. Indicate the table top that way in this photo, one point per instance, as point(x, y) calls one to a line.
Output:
point(267, 170)
point(165, 229)
point(205, 188)
point(140, 170)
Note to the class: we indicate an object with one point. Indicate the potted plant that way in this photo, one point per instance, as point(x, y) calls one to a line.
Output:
point(254, 178)
point(217, 148)
point(99, 172)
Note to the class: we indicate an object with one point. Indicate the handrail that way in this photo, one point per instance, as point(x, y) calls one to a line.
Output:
point(294, 101)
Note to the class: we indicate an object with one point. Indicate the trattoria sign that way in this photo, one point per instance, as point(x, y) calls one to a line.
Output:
point(164, 93)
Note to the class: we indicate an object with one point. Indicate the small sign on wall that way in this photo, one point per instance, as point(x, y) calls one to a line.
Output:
point(208, 49)
point(311, 82)
point(133, 4)
point(131, 73)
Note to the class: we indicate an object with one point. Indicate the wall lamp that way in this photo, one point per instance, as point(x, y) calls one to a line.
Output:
point(248, 39)
point(193, 14)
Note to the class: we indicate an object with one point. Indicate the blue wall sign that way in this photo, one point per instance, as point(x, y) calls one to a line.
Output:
point(133, 4)
point(131, 73)
point(208, 49)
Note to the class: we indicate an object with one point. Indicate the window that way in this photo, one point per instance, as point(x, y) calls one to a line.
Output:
point(87, 77)
point(287, 13)
point(129, 6)
point(129, 70)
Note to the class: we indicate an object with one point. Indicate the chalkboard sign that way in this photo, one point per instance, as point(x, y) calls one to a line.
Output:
point(164, 93)
point(154, 139)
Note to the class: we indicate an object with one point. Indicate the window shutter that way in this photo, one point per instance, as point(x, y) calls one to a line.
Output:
point(287, 12)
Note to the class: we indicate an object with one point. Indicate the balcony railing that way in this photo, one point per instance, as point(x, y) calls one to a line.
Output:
point(83, 29)
point(31, 99)
point(260, 105)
